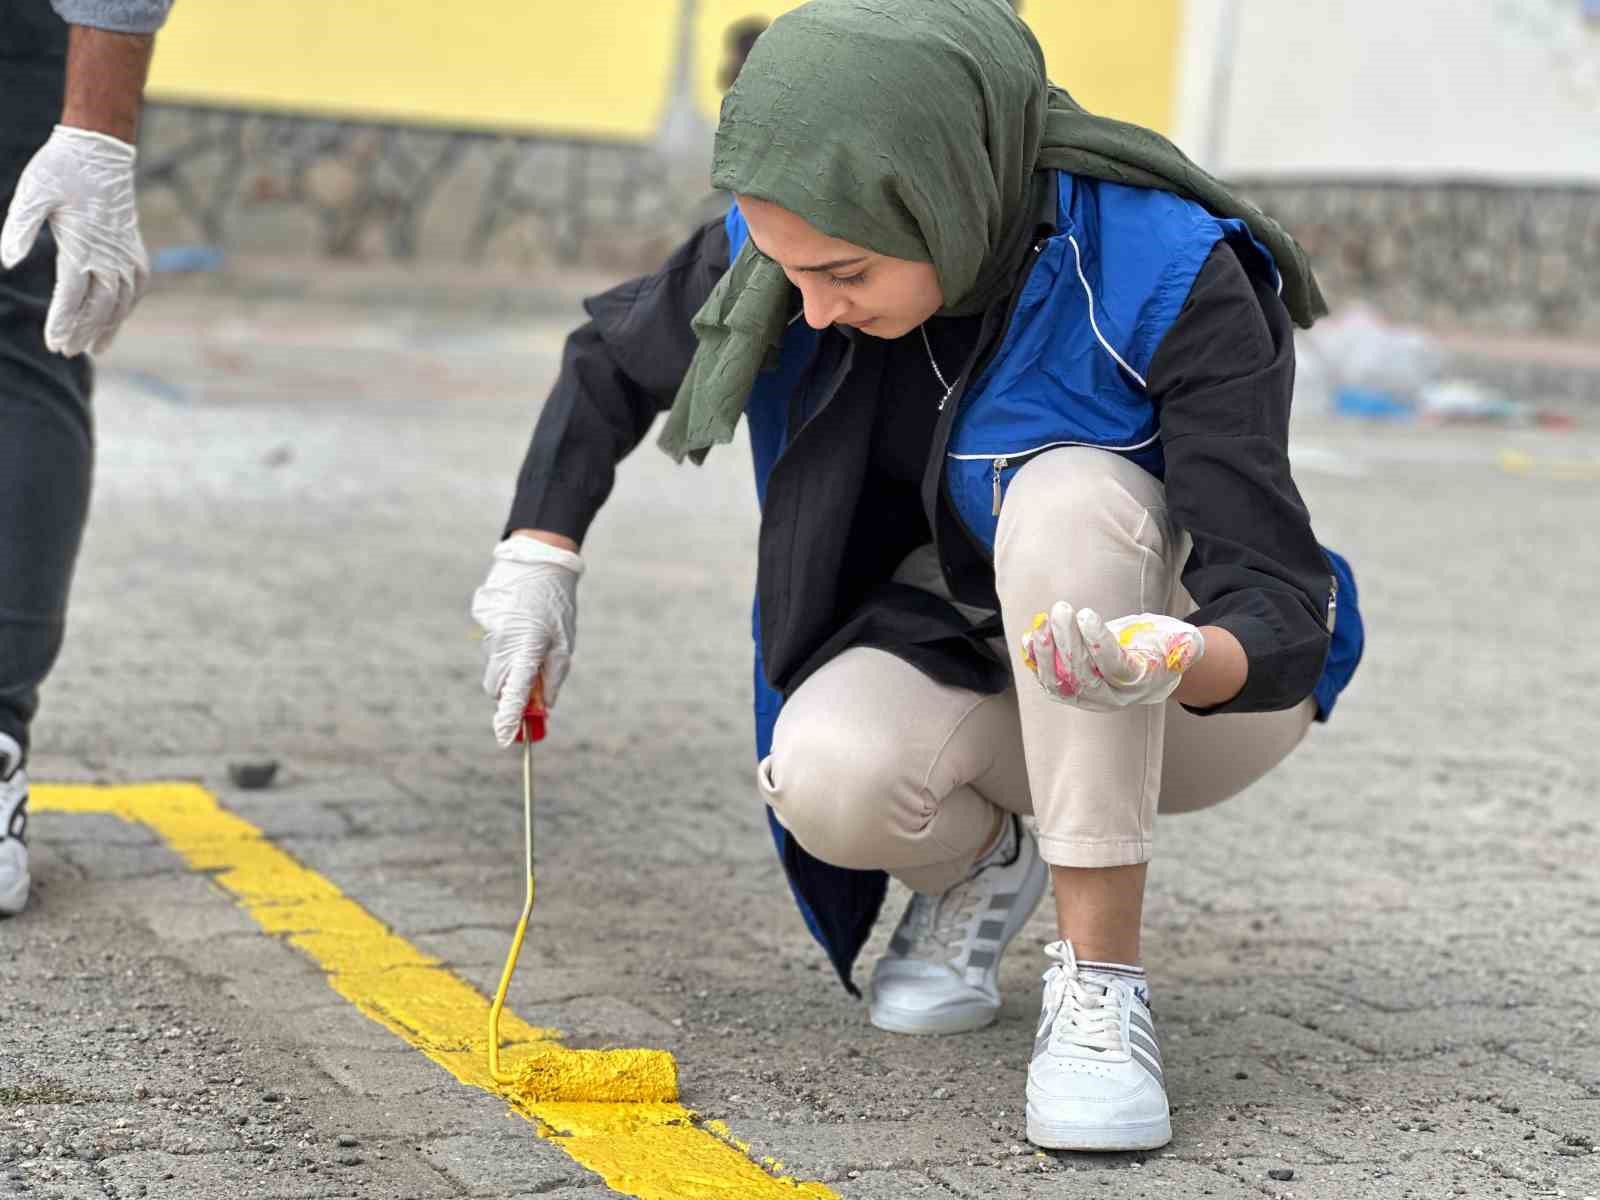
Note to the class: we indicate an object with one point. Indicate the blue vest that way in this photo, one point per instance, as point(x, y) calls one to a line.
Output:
point(1070, 370)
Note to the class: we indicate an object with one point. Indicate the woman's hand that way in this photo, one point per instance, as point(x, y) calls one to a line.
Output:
point(1104, 666)
point(528, 610)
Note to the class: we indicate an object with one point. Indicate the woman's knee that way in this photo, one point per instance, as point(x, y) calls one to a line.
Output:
point(1084, 511)
point(841, 796)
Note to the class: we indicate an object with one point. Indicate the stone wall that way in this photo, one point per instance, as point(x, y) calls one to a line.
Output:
point(258, 182)
point(1483, 255)
point(1519, 259)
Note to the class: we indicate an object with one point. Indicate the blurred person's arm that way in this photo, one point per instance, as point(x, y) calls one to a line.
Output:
point(108, 60)
point(619, 371)
point(81, 182)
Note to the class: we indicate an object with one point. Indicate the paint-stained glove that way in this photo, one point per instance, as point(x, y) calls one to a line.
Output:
point(82, 183)
point(1103, 666)
point(528, 609)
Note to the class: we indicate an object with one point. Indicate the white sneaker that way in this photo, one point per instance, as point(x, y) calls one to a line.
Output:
point(1095, 1081)
point(14, 879)
point(942, 971)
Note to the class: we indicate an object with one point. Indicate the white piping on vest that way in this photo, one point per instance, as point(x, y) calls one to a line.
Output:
point(1149, 441)
point(1077, 255)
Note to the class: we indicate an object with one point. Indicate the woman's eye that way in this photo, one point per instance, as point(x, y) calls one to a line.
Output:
point(847, 280)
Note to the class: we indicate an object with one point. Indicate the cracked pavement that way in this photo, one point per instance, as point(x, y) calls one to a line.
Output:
point(1374, 970)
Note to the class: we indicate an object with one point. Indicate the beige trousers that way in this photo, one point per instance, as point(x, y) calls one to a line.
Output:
point(874, 765)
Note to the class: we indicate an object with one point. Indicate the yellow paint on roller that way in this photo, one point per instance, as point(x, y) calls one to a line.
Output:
point(612, 1076)
point(651, 1151)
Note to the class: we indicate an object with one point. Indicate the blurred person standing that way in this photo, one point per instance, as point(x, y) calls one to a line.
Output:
point(74, 266)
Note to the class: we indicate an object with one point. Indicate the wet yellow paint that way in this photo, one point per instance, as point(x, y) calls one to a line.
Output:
point(553, 1072)
point(647, 1150)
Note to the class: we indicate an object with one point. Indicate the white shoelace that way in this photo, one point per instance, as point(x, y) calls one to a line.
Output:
point(1089, 1016)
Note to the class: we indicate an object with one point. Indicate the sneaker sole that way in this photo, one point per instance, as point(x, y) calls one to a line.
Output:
point(966, 1018)
point(1064, 1135)
point(15, 898)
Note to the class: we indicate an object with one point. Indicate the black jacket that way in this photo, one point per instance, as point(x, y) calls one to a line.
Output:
point(1222, 381)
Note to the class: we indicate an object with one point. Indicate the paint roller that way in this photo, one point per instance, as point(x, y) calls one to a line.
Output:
point(551, 1072)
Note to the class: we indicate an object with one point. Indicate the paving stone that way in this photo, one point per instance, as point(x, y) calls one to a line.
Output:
point(504, 1161)
point(831, 1151)
point(889, 1185)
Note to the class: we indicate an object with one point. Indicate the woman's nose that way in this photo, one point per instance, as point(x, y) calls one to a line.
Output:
point(821, 309)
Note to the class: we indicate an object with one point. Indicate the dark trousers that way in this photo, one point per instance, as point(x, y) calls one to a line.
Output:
point(46, 428)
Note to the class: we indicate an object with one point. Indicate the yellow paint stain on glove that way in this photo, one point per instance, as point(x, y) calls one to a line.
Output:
point(1028, 659)
point(1180, 655)
point(1127, 633)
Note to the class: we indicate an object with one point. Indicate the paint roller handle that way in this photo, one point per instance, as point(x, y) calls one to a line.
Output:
point(535, 715)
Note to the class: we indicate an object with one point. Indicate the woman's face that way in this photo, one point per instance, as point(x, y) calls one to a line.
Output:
point(841, 283)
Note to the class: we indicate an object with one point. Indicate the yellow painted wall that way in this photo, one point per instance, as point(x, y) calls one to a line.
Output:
point(601, 69)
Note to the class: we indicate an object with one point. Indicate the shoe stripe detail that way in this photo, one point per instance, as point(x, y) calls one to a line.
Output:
point(1139, 1021)
point(1109, 968)
point(1042, 1038)
point(1144, 1060)
point(992, 931)
point(982, 959)
point(1140, 1042)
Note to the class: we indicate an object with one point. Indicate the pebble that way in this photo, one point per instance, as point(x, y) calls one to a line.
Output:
point(347, 1141)
point(252, 776)
point(1281, 1174)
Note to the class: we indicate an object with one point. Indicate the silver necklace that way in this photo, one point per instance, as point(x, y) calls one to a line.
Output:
point(948, 387)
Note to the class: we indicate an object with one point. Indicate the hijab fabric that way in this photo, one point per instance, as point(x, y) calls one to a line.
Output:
point(921, 130)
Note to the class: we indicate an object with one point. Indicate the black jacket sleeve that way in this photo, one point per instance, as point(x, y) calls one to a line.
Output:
point(1222, 379)
point(618, 371)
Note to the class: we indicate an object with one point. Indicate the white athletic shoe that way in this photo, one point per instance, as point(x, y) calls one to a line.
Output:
point(1095, 1081)
point(941, 973)
point(14, 879)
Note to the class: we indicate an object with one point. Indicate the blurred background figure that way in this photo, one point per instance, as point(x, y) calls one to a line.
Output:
point(74, 266)
point(741, 38)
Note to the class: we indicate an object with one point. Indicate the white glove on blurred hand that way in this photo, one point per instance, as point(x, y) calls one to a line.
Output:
point(528, 610)
point(1102, 666)
point(82, 183)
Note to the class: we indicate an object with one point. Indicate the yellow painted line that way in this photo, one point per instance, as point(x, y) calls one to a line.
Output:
point(651, 1151)
point(1569, 470)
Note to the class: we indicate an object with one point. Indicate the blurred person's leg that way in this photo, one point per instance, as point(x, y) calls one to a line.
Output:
point(46, 441)
point(46, 452)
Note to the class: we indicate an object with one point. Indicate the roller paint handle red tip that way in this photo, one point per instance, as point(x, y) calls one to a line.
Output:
point(534, 716)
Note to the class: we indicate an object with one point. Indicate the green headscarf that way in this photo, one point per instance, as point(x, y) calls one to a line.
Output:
point(917, 129)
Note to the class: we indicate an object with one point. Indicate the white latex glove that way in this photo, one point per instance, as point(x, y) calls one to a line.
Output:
point(1106, 665)
point(528, 610)
point(82, 183)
